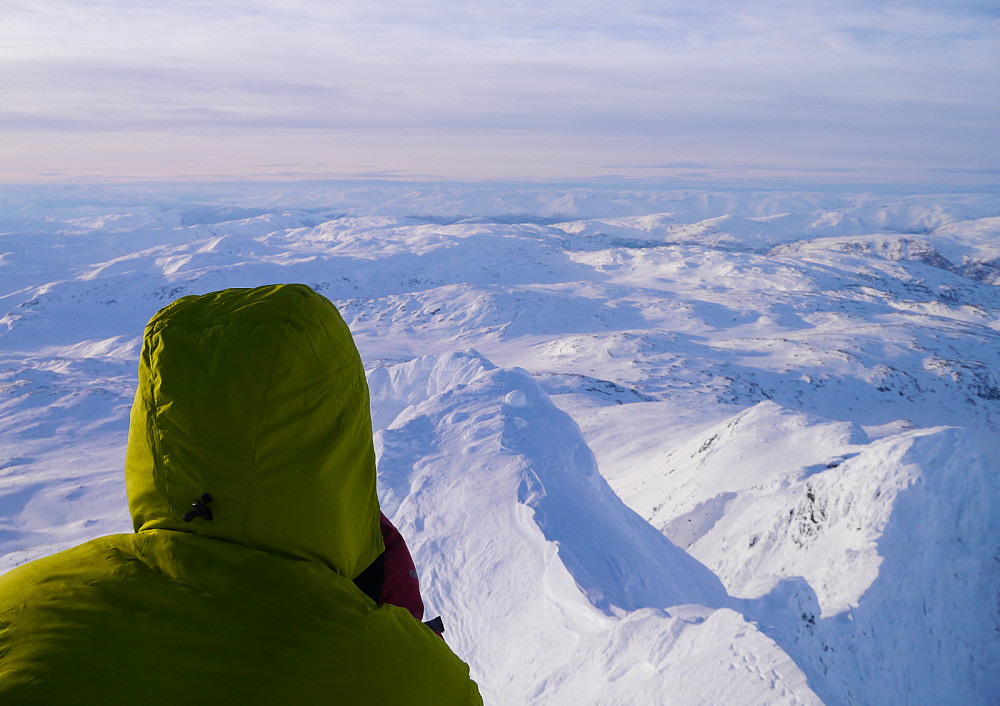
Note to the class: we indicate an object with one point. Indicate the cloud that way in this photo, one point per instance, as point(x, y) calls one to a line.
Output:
point(721, 76)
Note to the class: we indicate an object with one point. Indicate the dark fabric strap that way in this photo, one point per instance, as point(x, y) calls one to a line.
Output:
point(371, 579)
point(437, 625)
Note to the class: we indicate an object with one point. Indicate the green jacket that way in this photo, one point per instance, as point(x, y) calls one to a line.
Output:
point(258, 398)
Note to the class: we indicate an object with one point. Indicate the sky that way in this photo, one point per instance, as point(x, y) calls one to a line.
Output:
point(848, 92)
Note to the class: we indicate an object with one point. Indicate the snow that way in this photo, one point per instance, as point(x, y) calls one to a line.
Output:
point(646, 446)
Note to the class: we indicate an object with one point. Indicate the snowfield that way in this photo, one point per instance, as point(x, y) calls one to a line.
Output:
point(647, 447)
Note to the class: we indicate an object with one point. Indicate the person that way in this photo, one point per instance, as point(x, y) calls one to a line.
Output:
point(250, 473)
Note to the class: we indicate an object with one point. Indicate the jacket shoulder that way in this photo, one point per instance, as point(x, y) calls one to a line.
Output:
point(161, 615)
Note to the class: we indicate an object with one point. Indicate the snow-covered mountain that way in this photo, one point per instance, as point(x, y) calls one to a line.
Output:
point(646, 446)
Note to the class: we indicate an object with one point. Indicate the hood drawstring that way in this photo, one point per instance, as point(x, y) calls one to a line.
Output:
point(201, 508)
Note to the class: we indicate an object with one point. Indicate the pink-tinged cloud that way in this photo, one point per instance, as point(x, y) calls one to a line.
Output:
point(898, 91)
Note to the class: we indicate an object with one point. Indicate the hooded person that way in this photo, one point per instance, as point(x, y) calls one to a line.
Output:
point(250, 473)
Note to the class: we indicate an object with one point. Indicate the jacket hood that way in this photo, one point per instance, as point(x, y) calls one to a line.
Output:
point(257, 397)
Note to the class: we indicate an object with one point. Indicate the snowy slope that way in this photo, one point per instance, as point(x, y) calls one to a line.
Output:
point(770, 496)
point(647, 446)
point(519, 538)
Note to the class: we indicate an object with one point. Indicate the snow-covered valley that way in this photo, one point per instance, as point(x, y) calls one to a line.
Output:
point(646, 446)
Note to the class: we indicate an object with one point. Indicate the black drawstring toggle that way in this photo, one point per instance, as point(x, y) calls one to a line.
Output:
point(201, 508)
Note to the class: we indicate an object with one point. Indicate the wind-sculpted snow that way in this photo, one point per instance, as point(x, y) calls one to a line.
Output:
point(769, 496)
point(647, 446)
point(520, 538)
